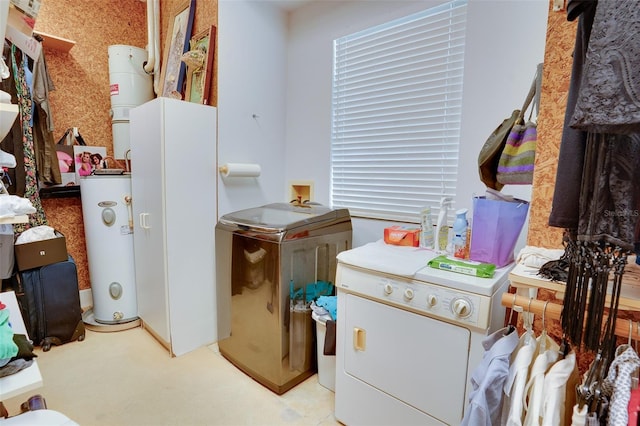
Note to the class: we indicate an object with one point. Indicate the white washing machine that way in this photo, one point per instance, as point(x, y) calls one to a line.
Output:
point(108, 227)
point(409, 336)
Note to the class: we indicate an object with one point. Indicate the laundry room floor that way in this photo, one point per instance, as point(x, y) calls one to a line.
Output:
point(127, 378)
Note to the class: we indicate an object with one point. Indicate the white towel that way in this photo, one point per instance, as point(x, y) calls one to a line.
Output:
point(37, 233)
point(12, 205)
point(535, 257)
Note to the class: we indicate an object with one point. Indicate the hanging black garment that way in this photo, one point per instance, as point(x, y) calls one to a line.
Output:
point(609, 100)
point(596, 196)
point(597, 253)
point(564, 209)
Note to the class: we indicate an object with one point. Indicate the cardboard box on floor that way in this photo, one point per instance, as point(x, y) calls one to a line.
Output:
point(40, 253)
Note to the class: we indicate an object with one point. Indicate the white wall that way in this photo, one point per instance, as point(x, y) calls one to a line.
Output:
point(251, 80)
point(500, 61)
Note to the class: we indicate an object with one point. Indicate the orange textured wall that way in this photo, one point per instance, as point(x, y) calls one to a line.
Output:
point(81, 77)
point(555, 85)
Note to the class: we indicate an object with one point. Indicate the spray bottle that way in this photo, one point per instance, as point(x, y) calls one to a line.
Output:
point(460, 230)
point(442, 229)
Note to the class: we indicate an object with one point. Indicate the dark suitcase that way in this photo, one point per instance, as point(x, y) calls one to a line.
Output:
point(50, 304)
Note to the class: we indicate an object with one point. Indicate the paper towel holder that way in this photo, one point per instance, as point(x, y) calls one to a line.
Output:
point(240, 170)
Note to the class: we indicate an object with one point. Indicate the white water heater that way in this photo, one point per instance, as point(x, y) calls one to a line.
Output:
point(129, 86)
point(108, 227)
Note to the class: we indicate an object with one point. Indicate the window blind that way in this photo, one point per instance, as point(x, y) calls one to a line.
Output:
point(396, 108)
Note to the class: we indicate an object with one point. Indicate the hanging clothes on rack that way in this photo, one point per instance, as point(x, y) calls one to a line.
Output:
point(618, 384)
point(514, 387)
point(566, 196)
point(25, 105)
point(533, 398)
point(44, 142)
point(604, 151)
point(559, 391)
point(634, 407)
point(47, 170)
point(534, 391)
point(592, 397)
point(488, 378)
point(12, 142)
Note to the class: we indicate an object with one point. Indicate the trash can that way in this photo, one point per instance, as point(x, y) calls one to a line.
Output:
point(326, 363)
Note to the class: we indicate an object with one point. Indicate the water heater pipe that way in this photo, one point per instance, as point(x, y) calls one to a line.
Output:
point(152, 66)
point(127, 201)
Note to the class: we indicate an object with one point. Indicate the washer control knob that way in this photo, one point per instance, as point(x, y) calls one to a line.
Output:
point(388, 288)
point(461, 308)
point(408, 293)
point(432, 300)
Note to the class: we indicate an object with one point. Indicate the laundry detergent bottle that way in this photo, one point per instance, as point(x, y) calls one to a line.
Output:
point(442, 228)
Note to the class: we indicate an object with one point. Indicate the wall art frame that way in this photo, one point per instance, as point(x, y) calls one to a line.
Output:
point(87, 160)
point(173, 72)
point(199, 76)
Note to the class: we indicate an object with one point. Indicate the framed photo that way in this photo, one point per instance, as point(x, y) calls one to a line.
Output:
point(199, 76)
point(172, 73)
point(87, 159)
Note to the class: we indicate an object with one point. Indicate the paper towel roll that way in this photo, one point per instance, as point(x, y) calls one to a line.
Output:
point(240, 170)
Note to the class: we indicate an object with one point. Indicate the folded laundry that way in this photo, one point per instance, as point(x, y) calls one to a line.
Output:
point(12, 205)
point(14, 366)
point(535, 257)
point(8, 348)
point(7, 160)
point(37, 233)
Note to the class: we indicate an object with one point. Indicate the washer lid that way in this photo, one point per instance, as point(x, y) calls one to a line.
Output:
point(279, 217)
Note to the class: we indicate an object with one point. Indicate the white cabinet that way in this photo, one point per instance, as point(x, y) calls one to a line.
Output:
point(173, 167)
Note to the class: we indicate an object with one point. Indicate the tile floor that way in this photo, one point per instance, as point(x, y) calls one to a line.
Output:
point(127, 378)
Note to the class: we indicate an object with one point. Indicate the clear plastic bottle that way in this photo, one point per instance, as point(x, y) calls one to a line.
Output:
point(460, 226)
point(442, 230)
point(426, 228)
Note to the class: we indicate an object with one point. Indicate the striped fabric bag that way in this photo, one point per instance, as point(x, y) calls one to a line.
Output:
point(516, 162)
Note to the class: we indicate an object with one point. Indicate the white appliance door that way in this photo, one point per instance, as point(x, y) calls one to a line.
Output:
point(415, 359)
point(147, 188)
point(189, 218)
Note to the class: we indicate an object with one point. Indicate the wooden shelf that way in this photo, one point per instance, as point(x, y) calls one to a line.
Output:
point(15, 219)
point(50, 41)
point(523, 277)
point(60, 191)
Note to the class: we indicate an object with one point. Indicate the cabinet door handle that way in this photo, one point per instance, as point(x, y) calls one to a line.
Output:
point(359, 339)
point(143, 220)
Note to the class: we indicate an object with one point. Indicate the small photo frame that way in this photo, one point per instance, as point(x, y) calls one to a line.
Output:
point(173, 72)
point(199, 76)
point(87, 159)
